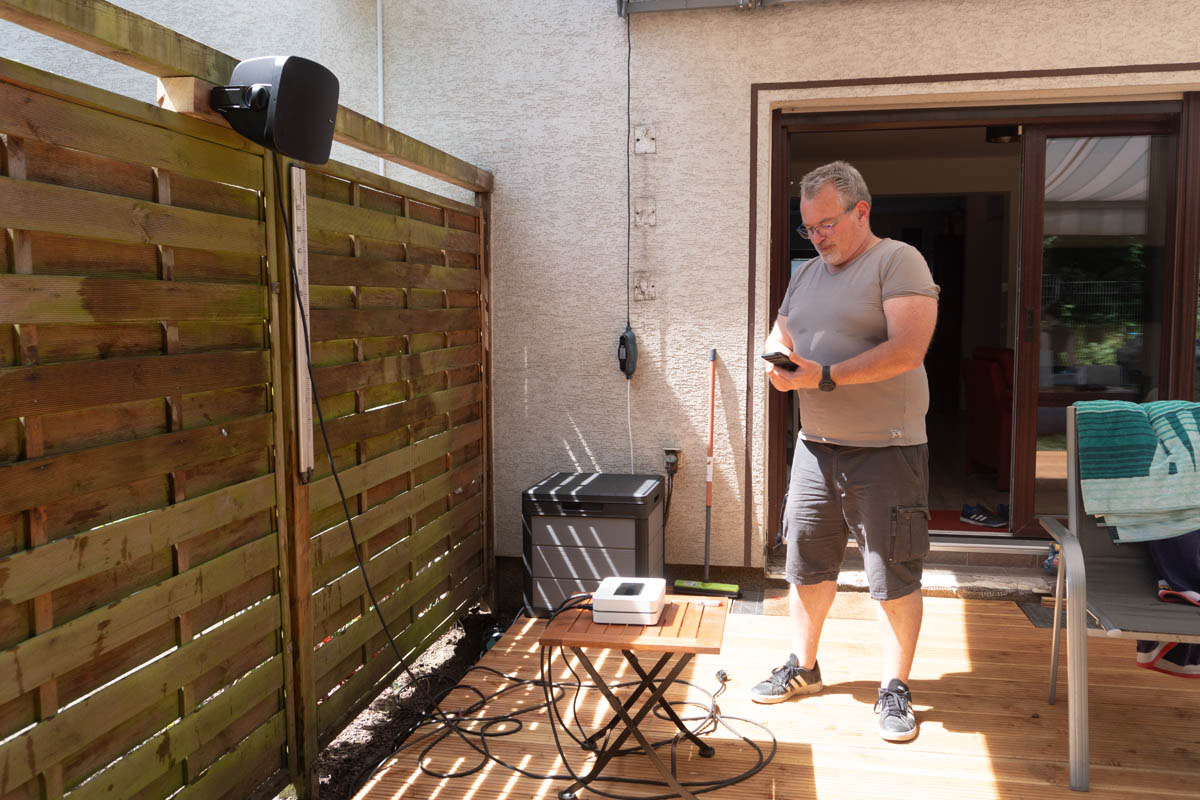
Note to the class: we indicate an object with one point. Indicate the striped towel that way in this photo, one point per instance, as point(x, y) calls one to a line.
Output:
point(1139, 466)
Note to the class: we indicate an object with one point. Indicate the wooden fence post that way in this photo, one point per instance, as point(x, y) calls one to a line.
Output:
point(484, 201)
point(294, 521)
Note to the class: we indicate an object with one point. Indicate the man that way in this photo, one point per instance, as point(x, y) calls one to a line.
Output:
point(856, 321)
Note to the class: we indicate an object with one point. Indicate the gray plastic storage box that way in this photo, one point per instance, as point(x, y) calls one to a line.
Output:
point(580, 528)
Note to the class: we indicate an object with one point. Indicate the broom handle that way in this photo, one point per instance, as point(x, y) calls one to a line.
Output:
point(712, 396)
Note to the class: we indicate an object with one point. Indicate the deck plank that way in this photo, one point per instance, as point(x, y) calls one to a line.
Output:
point(979, 687)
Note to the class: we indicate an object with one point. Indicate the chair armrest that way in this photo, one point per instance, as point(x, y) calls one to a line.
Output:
point(1071, 553)
point(1055, 528)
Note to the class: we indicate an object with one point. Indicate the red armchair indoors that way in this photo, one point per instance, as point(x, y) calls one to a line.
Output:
point(987, 378)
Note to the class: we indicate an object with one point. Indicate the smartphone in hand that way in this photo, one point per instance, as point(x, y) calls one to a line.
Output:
point(781, 360)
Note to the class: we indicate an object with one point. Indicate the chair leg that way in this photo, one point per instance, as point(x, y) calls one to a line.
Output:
point(1059, 584)
point(1077, 690)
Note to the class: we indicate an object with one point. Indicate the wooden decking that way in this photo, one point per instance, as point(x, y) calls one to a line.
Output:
point(979, 688)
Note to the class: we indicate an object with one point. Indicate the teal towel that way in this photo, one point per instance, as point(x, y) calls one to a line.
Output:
point(1139, 466)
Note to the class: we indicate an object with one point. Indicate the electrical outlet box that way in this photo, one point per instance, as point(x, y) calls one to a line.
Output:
point(645, 212)
point(645, 139)
point(674, 459)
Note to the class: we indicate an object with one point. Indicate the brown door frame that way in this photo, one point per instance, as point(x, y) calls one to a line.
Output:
point(1185, 115)
point(1182, 305)
point(777, 404)
point(1029, 292)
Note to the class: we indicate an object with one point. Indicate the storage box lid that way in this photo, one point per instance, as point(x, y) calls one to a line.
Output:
point(596, 487)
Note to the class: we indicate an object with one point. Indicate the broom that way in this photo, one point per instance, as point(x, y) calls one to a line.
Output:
point(704, 587)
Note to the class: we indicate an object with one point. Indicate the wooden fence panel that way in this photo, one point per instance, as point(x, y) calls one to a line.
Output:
point(397, 343)
point(164, 571)
point(143, 626)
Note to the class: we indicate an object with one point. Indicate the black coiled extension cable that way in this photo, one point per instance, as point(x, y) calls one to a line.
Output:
point(485, 727)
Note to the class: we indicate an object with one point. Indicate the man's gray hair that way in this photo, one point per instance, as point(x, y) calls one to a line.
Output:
point(846, 180)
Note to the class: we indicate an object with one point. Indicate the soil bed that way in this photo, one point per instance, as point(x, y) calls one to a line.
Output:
point(350, 759)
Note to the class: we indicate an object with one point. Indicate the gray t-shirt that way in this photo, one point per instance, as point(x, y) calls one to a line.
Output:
point(833, 316)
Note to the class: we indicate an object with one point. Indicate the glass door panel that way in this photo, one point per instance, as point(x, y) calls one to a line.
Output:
point(1104, 261)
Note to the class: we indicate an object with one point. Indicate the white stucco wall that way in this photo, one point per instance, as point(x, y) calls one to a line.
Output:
point(535, 92)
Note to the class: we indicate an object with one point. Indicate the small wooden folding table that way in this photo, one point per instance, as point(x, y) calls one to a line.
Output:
point(688, 625)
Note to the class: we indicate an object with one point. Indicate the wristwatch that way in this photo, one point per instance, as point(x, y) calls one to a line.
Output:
point(826, 384)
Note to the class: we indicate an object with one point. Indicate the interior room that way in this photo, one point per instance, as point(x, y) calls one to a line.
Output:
point(953, 194)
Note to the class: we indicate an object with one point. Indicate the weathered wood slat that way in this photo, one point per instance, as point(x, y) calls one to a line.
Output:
point(352, 174)
point(36, 660)
point(40, 481)
point(122, 36)
point(392, 369)
point(327, 570)
point(453, 559)
point(358, 130)
point(374, 472)
point(353, 323)
point(266, 757)
point(229, 771)
point(68, 387)
point(67, 124)
point(165, 751)
point(44, 82)
point(329, 215)
point(76, 212)
point(28, 573)
point(357, 633)
point(357, 427)
point(61, 736)
point(53, 299)
point(349, 587)
point(335, 541)
point(364, 685)
point(331, 270)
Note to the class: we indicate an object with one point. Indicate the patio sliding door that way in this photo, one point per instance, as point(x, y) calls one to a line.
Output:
point(1096, 277)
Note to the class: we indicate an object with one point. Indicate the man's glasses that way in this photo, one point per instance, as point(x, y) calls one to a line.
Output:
point(824, 229)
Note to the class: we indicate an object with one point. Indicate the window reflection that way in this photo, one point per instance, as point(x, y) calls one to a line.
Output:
point(1104, 232)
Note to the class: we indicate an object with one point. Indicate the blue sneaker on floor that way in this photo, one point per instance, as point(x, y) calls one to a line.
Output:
point(982, 516)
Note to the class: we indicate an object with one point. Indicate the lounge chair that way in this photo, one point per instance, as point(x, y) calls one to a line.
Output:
point(1117, 584)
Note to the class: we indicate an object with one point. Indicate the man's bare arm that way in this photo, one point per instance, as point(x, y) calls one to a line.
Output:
point(910, 322)
point(778, 340)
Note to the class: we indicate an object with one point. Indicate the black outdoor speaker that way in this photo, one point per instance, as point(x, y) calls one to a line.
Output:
point(285, 103)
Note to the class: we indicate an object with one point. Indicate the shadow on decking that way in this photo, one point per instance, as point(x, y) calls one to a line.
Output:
point(979, 688)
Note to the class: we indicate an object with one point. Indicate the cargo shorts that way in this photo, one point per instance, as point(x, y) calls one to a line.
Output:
point(880, 495)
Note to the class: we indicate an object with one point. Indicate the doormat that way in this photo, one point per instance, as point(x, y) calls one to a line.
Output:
point(1043, 617)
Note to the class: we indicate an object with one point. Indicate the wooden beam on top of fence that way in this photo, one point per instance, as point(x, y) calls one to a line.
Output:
point(364, 133)
point(143, 44)
point(121, 35)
